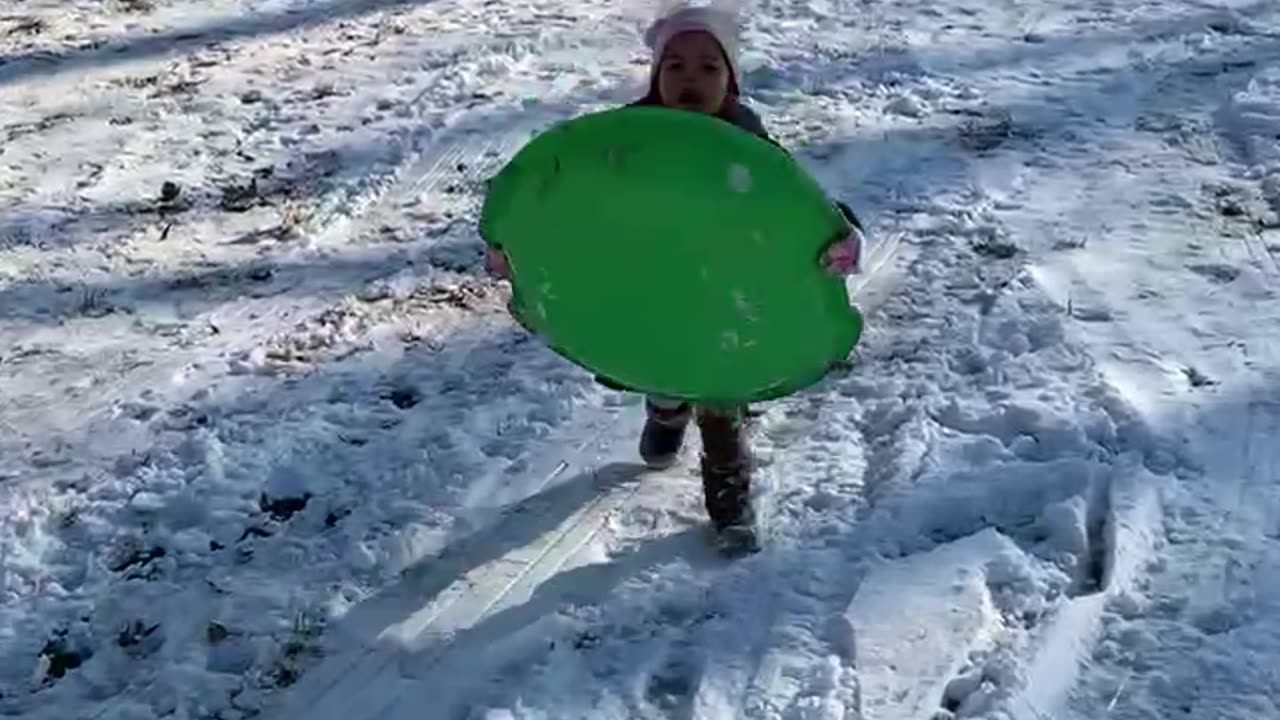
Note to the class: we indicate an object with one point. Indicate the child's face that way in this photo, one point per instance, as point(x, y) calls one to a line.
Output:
point(693, 74)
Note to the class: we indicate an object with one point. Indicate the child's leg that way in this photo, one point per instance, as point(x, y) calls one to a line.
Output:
point(726, 465)
point(663, 431)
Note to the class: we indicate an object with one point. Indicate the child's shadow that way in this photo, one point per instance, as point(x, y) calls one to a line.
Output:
point(505, 638)
point(515, 527)
point(425, 651)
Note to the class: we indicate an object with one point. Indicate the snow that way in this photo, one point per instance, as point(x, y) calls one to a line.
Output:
point(270, 445)
point(914, 621)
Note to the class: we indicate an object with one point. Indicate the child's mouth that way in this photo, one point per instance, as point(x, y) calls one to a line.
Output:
point(689, 98)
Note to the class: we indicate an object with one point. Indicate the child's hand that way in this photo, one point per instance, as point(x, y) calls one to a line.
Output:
point(497, 263)
point(844, 256)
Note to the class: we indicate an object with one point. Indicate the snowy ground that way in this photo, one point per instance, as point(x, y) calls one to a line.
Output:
point(270, 447)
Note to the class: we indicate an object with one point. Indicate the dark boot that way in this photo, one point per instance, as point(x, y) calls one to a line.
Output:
point(663, 434)
point(726, 469)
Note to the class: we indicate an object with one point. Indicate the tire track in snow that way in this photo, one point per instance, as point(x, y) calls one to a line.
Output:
point(1245, 499)
point(1212, 591)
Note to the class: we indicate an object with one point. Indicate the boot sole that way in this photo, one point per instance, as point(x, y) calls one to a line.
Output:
point(662, 463)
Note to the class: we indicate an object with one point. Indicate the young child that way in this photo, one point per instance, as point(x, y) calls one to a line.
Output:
point(695, 68)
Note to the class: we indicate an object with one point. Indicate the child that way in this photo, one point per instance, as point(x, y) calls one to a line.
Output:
point(695, 68)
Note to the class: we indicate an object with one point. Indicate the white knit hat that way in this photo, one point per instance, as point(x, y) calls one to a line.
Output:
point(722, 24)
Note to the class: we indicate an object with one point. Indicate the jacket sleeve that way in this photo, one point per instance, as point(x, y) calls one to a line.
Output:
point(850, 216)
point(480, 226)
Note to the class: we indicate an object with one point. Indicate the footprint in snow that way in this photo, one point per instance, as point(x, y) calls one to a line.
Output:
point(141, 412)
point(1092, 314)
point(1217, 272)
point(672, 687)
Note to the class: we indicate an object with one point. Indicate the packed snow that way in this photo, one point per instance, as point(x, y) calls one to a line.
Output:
point(270, 445)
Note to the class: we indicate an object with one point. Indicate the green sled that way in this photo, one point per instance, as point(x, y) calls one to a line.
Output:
point(673, 254)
